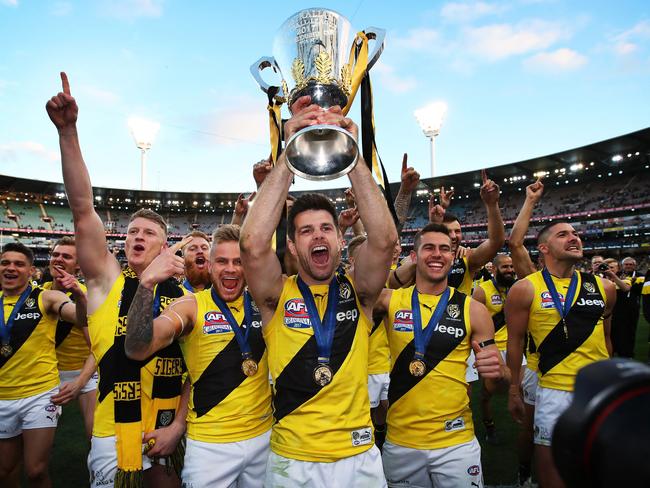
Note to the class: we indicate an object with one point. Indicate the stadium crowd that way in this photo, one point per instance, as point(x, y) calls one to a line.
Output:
point(238, 357)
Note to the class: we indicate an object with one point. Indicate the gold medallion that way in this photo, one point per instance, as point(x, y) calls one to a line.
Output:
point(6, 350)
point(322, 374)
point(417, 367)
point(249, 366)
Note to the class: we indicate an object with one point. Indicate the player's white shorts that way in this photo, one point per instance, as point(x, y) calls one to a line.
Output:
point(68, 376)
point(34, 412)
point(239, 464)
point(360, 471)
point(529, 386)
point(378, 388)
point(102, 462)
point(470, 373)
point(549, 405)
point(504, 355)
point(448, 467)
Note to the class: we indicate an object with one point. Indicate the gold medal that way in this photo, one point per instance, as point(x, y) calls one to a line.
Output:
point(417, 367)
point(6, 350)
point(322, 374)
point(249, 366)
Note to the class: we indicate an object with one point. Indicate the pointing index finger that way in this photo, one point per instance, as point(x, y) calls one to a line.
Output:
point(404, 161)
point(484, 176)
point(65, 83)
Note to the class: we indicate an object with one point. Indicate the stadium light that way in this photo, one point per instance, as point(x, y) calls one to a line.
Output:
point(144, 132)
point(430, 118)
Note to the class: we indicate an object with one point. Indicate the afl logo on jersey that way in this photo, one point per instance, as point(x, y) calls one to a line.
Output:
point(215, 323)
point(403, 321)
point(345, 292)
point(296, 315)
point(496, 300)
point(547, 299)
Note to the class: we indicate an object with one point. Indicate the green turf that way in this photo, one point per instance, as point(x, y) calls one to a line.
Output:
point(68, 465)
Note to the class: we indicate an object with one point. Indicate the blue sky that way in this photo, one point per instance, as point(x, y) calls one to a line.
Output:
point(521, 78)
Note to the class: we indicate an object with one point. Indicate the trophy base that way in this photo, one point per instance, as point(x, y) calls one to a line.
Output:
point(322, 152)
point(324, 96)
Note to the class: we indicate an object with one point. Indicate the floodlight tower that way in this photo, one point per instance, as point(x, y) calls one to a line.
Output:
point(144, 133)
point(430, 118)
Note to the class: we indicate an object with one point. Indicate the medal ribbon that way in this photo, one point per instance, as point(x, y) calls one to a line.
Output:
point(242, 337)
point(568, 301)
point(421, 338)
point(323, 331)
point(5, 330)
point(188, 286)
point(156, 303)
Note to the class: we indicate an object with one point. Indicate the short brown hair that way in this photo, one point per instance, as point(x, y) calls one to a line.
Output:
point(147, 213)
point(64, 241)
point(225, 233)
point(309, 201)
point(354, 244)
point(197, 233)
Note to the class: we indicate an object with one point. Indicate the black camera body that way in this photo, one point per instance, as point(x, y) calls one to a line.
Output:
point(602, 267)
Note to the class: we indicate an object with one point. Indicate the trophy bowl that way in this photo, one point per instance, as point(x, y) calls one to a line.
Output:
point(313, 46)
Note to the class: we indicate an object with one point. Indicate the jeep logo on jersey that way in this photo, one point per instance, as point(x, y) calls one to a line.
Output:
point(403, 321)
point(496, 300)
point(457, 270)
point(30, 303)
point(453, 311)
point(28, 315)
point(582, 302)
point(215, 323)
point(296, 315)
point(448, 329)
point(344, 291)
point(474, 470)
point(547, 299)
point(589, 287)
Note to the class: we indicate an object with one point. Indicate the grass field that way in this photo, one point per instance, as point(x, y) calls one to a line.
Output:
point(68, 465)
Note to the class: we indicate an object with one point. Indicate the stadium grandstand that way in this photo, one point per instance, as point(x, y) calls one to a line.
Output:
point(602, 188)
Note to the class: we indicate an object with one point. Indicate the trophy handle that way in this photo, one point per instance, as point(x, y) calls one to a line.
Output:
point(378, 35)
point(260, 65)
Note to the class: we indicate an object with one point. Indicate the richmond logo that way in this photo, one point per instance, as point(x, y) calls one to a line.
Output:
point(453, 311)
point(30, 303)
point(589, 287)
point(345, 292)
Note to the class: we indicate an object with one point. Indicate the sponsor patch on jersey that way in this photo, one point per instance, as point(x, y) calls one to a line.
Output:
point(474, 470)
point(496, 300)
point(361, 437)
point(215, 323)
point(547, 299)
point(455, 424)
point(403, 321)
point(296, 315)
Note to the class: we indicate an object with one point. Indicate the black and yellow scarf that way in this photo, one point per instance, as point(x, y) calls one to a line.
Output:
point(136, 410)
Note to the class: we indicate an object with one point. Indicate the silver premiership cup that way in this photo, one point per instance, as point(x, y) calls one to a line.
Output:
point(313, 45)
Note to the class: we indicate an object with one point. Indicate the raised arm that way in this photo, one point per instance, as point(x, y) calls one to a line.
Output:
point(516, 309)
point(257, 254)
point(410, 180)
point(144, 335)
point(520, 257)
point(496, 233)
point(97, 264)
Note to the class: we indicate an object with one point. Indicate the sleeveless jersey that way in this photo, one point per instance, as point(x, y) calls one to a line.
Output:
point(459, 276)
point(561, 358)
point(431, 411)
point(103, 326)
point(225, 405)
point(494, 300)
point(314, 423)
point(71, 347)
point(31, 369)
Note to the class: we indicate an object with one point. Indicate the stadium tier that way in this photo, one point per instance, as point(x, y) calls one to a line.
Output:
point(602, 188)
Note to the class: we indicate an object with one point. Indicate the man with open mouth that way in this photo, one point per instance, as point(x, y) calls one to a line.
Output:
point(28, 372)
point(431, 329)
point(317, 323)
point(568, 316)
point(134, 399)
point(219, 329)
point(195, 255)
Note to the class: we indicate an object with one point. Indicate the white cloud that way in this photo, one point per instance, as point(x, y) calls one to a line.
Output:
point(463, 12)
point(627, 42)
point(9, 3)
point(417, 40)
point(560, 60)
point(392, 81)
point(132, 9)
point(499, 41)
point(10, 152)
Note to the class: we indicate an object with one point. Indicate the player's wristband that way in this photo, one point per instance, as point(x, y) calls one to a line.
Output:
point(483, 344)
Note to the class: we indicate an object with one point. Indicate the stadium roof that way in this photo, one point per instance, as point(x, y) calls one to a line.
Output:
point(627, 152)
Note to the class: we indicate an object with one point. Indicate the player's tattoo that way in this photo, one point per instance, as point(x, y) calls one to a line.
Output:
point(402, 203)
point(139, 322)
